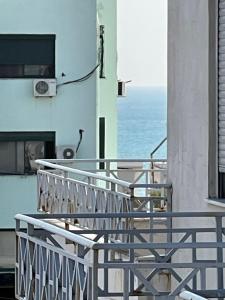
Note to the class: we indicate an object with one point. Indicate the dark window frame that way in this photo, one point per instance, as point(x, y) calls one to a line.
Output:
point(48, 138)
point(21, 64)
point(213, 168)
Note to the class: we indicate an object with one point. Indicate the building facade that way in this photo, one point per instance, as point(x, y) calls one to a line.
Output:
point(196, 104)
point(196, 71)
point(73, 42)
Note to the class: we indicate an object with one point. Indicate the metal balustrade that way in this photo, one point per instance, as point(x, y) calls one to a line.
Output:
point(190, 296)
point(134, 170)
point(64, 189)
point(80, 264)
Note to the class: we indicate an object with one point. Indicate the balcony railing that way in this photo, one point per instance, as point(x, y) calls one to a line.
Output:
point(79, 264)
point(62, 189)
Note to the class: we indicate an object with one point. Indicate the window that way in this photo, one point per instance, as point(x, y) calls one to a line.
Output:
point(19, 150)
point(27, 56)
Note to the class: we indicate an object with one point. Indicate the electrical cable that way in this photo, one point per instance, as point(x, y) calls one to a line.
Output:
point(101, 63)
point(87, 76)
point(81, 136)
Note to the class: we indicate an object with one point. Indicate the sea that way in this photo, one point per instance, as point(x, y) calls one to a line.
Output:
point(142, 122)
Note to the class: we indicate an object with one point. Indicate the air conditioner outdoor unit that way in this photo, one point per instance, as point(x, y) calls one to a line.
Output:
point(44, 87)
point(66, 152)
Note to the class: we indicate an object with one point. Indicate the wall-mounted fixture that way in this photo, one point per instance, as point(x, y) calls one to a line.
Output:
point(69, 151)
point(122, 88)
point(44, 87)
point(66, 152)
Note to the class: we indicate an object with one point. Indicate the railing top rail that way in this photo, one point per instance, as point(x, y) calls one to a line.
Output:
point(151, 185)
point(82, 173)
point(56, 230)
point(129, 215)
point(114, 160)
point(157, 147)
point(190, 296)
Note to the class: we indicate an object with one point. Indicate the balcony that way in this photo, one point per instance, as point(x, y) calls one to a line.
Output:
point(60, 261)
point(100, 236)
point(117, 186)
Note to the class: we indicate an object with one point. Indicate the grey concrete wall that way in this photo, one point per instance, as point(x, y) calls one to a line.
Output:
point(191, 97)
point(188, 103)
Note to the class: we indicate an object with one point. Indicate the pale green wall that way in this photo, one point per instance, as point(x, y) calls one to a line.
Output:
point(74, 23)
point(107, 88)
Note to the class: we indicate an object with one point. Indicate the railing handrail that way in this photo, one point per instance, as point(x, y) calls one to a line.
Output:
point(113, 160)
point(128, 215)
point(132, 246)
point(83, 173)
point(157, 147)
point(56, 230)
point(190, 296)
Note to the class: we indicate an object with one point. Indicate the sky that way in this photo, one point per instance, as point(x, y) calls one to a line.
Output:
point(142, 42)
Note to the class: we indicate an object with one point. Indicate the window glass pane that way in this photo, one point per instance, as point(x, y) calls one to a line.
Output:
point(27, 56)
point(39, 70)
point(27, 49)
point(7, 71)
point(8, 158)
point(20, 71)
point(33, 151)
point(20, 157)
point(19, 150)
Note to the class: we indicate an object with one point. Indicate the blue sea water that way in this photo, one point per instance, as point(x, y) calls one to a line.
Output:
point(142, 122)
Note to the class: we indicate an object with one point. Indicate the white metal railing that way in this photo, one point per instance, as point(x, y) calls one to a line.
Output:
point(46, 267)
point(62, 189)
point(190, 296)
point(80, 263)
point(131, 170)
point(68, 190)
point(54, 230)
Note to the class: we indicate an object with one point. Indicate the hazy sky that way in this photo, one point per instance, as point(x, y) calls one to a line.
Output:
point(142, 41)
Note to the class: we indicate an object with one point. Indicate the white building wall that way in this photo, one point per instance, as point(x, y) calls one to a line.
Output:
point(188, 115)
point(188, 103)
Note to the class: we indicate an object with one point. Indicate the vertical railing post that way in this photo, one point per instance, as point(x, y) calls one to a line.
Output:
point(107, 172)
point(152, 169)
point(95, 275)
point(132, 198)
point(194, 258)
point(106, 260)
point(113, 187)
point(132, 258)
point(219, 237)
point(169, 219)
point(89, 181)
point(80, 254)
point(38, 189)
point(17, 279)
point(131, 237)
point(203, 279)
point(126, 284)
point(146, 182)
point(29, 275)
